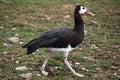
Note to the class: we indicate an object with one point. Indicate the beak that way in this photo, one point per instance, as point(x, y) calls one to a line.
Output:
point(89, 13)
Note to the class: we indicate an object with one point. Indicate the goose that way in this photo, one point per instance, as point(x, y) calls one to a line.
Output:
point(61, 40)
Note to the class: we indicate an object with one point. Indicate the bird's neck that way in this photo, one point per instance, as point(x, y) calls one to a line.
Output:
point(79, 23)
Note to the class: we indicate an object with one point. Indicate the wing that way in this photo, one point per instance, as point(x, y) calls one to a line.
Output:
point(57, 37)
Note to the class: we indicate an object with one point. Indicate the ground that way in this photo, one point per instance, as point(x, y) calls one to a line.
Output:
point(97, 58)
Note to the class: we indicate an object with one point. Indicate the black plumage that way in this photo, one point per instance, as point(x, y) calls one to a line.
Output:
point(59, 38)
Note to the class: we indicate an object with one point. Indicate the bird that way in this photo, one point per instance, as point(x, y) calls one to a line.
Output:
point(61, 40)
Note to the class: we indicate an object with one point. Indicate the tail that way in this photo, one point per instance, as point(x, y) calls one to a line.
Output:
point(32, 46)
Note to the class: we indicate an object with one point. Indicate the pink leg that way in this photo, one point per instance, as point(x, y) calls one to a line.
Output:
point(44, 65)
point(69, 66)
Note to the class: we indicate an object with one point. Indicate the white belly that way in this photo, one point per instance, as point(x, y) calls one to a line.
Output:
point(63, 50)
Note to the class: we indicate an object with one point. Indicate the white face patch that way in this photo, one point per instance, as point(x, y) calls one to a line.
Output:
point(82, 10)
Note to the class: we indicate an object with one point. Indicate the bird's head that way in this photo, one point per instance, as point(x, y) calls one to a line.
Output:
point(81, 9)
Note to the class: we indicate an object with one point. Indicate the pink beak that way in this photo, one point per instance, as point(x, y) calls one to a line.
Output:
point(89, 13)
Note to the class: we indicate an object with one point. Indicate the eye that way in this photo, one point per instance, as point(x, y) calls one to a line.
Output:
point(83, 7)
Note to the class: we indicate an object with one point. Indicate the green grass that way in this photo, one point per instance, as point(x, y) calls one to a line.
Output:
point(30, 18)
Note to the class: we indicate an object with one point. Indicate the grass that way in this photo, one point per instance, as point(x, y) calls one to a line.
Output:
point(32, 18)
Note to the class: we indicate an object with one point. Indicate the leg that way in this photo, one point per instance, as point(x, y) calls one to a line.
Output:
point(44, 65)
point(68, 65)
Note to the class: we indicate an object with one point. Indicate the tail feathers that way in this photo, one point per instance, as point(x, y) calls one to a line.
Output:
point(29, 44)
point(31, 47)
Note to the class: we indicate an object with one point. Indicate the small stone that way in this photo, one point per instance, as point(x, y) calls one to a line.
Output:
point(56, 67)
point(99, 69)
point(117, 46)
point(22, 68)
point(13, 28)
point(31, 68)
point(12, 59)
point(84, 69)
point(67, 16)
point(84, 57)
point(85, 31)
point(87, 70)
point(39, 75)
point(109, 51)
point(17, 62)
point(21, 42)
point(77, 63)
point(119, 49)
point(118, 76)
point(4, 52)
point(37, 50)
point(114, 57)
point(118, 70)
point(6, 17)
point(16, 34)
point(81, 48)
point(1, 27)
point(33, 53)
point(94, 46)
point(13, 39)
point(115, 74)
point(94, 22)
point(26, 76)
point(32, 25)
point(13, 55)
point(48, 18)
point(5, 44)
point(51, 69)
